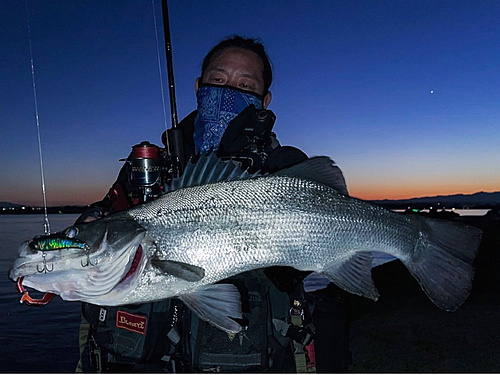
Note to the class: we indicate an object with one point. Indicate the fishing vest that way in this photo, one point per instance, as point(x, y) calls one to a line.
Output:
point(258, 347)
point(122, 337)
point(167, 336)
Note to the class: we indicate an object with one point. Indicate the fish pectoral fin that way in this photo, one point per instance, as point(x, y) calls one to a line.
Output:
point(216, 304)
point(181, 270)
point(354, 275)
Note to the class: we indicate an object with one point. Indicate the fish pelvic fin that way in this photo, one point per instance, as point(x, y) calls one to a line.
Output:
point(354, 275)
point(320, 169)
point(216, 304)
point(442, 261)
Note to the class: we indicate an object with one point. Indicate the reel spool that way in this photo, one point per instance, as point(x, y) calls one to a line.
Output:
point(146, 170)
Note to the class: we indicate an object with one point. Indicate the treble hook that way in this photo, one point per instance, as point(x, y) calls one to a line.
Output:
point(45, 267)
point(88, 262)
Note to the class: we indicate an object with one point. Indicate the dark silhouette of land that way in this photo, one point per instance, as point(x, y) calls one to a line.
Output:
point(459, 201)
point(17, 209)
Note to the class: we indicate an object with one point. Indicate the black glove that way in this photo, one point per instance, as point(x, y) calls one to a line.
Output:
point(251, 125)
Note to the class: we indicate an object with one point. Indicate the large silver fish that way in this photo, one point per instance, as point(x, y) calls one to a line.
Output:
point(184, 242)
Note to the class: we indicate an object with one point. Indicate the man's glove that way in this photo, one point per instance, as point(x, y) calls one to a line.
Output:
point(251, 125)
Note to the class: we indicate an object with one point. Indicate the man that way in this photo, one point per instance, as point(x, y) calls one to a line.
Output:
point(231, 120)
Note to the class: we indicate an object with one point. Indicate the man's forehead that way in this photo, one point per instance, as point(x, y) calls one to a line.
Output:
point(245, 59)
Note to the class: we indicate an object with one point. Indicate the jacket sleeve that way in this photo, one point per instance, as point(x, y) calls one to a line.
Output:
point(283, 157)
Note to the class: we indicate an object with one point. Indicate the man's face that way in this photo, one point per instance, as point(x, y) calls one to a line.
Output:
point(238, 68)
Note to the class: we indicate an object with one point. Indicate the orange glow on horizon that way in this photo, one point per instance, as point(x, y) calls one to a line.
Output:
point(373, 190)
point(397, 193)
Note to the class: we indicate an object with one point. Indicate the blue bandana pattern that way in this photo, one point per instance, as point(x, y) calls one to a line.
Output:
point(217, 107)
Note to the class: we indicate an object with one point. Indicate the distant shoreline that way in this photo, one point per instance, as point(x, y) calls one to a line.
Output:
point(25, 210)
point(476, 201)
point(393, 206)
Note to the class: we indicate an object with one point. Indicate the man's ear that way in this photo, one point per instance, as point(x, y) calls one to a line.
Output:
point(267, 99)
point(196, 84)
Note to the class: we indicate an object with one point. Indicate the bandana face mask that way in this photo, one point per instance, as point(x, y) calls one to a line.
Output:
point(217, 107)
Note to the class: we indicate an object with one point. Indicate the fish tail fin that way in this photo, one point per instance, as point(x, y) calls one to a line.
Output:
point(442, 261)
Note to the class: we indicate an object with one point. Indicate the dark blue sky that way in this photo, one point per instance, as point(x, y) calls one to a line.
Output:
point(403, 95)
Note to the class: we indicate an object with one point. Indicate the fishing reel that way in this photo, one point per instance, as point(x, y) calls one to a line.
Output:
point(147, 173)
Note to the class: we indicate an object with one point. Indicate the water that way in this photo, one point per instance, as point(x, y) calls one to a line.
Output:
point(461, 212)
point(34, 339)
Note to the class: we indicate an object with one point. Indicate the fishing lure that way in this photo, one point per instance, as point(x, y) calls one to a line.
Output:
point(47, 243)
point(56, 242)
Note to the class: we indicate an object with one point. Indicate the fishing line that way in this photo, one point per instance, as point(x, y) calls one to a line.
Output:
point(46, 224)
point(159, 68)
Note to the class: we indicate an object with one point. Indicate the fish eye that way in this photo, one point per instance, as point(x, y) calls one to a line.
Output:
point(71, 232)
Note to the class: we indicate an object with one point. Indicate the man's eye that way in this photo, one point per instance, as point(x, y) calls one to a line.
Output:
point(217, 80)
point(246, 86)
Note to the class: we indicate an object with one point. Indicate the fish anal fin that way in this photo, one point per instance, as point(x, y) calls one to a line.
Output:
point(218, 304)
point(354, 275)
point(181, 270)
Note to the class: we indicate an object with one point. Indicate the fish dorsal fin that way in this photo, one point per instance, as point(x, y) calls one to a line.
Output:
point(216, 304)
point(181, 270)
point(209, 169)
point(320, 169)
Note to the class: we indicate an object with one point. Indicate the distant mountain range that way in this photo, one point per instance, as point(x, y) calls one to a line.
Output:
point(480, 199)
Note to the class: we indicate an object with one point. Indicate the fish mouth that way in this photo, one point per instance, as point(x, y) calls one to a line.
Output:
point(48, 296)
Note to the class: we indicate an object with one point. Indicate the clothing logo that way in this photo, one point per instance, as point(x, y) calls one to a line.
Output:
point(131, 322)
point(102, 314)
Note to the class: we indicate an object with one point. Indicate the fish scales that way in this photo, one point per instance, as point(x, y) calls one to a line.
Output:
point(232, 227)
point(185, 242)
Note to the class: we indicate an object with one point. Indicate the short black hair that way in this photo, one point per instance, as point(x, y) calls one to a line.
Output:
point(254, 45)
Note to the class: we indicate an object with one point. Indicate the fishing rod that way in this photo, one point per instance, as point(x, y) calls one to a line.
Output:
point(174, 134)
point(150, 166)
point(46, 224)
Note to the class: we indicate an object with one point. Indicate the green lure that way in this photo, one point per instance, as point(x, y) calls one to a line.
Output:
point(48, 243)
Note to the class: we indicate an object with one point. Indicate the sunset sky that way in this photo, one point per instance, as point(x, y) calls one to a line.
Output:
point(403, 95)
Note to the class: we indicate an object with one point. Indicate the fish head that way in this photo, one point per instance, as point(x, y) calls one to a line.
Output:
point(84, 262)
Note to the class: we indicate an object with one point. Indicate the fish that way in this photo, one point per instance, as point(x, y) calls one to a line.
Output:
point(217, 221)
